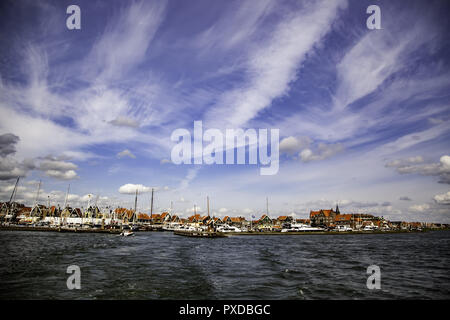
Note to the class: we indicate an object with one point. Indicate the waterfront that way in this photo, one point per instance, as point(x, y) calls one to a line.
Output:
point(160, 265)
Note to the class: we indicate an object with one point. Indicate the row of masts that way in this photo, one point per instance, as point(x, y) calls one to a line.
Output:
point(66, 200)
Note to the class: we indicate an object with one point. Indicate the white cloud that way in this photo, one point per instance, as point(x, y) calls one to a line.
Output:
point(190, 176)
point(416, 165)
point(420, 207)
point(63, 175)
point(53, 164)
point(130, 188)
point(323, 152)
point(196, 209)
point(126, 153)
point(442, 198)
point(123, 121)
point(58, 169)
point(291, 145)
point(10, 168)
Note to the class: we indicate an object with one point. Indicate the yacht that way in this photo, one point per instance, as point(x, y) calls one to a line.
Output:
point(227, 228)
point(299, 227)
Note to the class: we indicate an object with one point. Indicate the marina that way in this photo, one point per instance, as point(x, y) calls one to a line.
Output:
point(94, 219)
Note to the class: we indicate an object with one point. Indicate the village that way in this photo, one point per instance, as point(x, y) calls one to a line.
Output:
point(93, 218)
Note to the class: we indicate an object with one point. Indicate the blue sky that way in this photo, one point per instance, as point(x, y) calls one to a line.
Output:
point(363, 114)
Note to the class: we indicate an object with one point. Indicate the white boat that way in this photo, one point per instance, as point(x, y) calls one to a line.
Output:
point(127, 233)
point(171, 226)
point(227, 228)
point(299, 227)
point(343, 229)
point(185, 228)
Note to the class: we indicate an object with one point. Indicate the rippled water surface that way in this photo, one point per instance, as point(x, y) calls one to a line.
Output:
point(160, 265)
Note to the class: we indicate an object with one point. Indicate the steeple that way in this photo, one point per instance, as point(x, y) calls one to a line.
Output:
point(337, 209)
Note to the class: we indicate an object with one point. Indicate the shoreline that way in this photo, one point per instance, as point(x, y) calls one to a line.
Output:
point(325, 232)
point(55, 229)
point(118, 231)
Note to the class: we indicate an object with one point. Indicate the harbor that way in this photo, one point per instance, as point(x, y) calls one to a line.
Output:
point(16, 216)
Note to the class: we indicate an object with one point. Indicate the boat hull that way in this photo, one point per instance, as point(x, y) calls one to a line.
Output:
point(200, 234)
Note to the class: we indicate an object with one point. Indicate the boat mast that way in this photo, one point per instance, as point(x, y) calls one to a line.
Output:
point(89, 201)
point(37, 194)
point(207, 204)
point(151, 207)
point(13, 194)
point(67, 197)
point(96, 210)
point(135, 207)
point(88, 211)
point(267, 205)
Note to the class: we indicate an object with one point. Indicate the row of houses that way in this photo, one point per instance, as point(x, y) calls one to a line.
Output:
point(333, 218)
point(329, 218)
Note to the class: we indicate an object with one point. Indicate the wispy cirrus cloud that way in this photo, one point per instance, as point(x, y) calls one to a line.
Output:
point(272, 65)
point(125, 41)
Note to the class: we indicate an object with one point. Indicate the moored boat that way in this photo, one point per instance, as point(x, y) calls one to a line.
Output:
point(199, 234)
point(127, 233)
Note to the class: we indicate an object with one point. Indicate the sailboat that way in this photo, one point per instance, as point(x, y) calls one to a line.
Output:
point(199, 233)
point(129, 232)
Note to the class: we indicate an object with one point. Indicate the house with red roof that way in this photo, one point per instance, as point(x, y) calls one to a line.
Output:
point(323, 217)
point(264, 223)
point(165, 217)
point(283, 220)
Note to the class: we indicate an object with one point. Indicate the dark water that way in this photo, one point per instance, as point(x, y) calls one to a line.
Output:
point(160, 265)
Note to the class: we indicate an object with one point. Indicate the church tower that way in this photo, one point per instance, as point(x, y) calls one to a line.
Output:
point(337, 209)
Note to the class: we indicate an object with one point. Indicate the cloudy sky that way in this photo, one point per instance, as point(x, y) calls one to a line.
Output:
point(363, 114)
